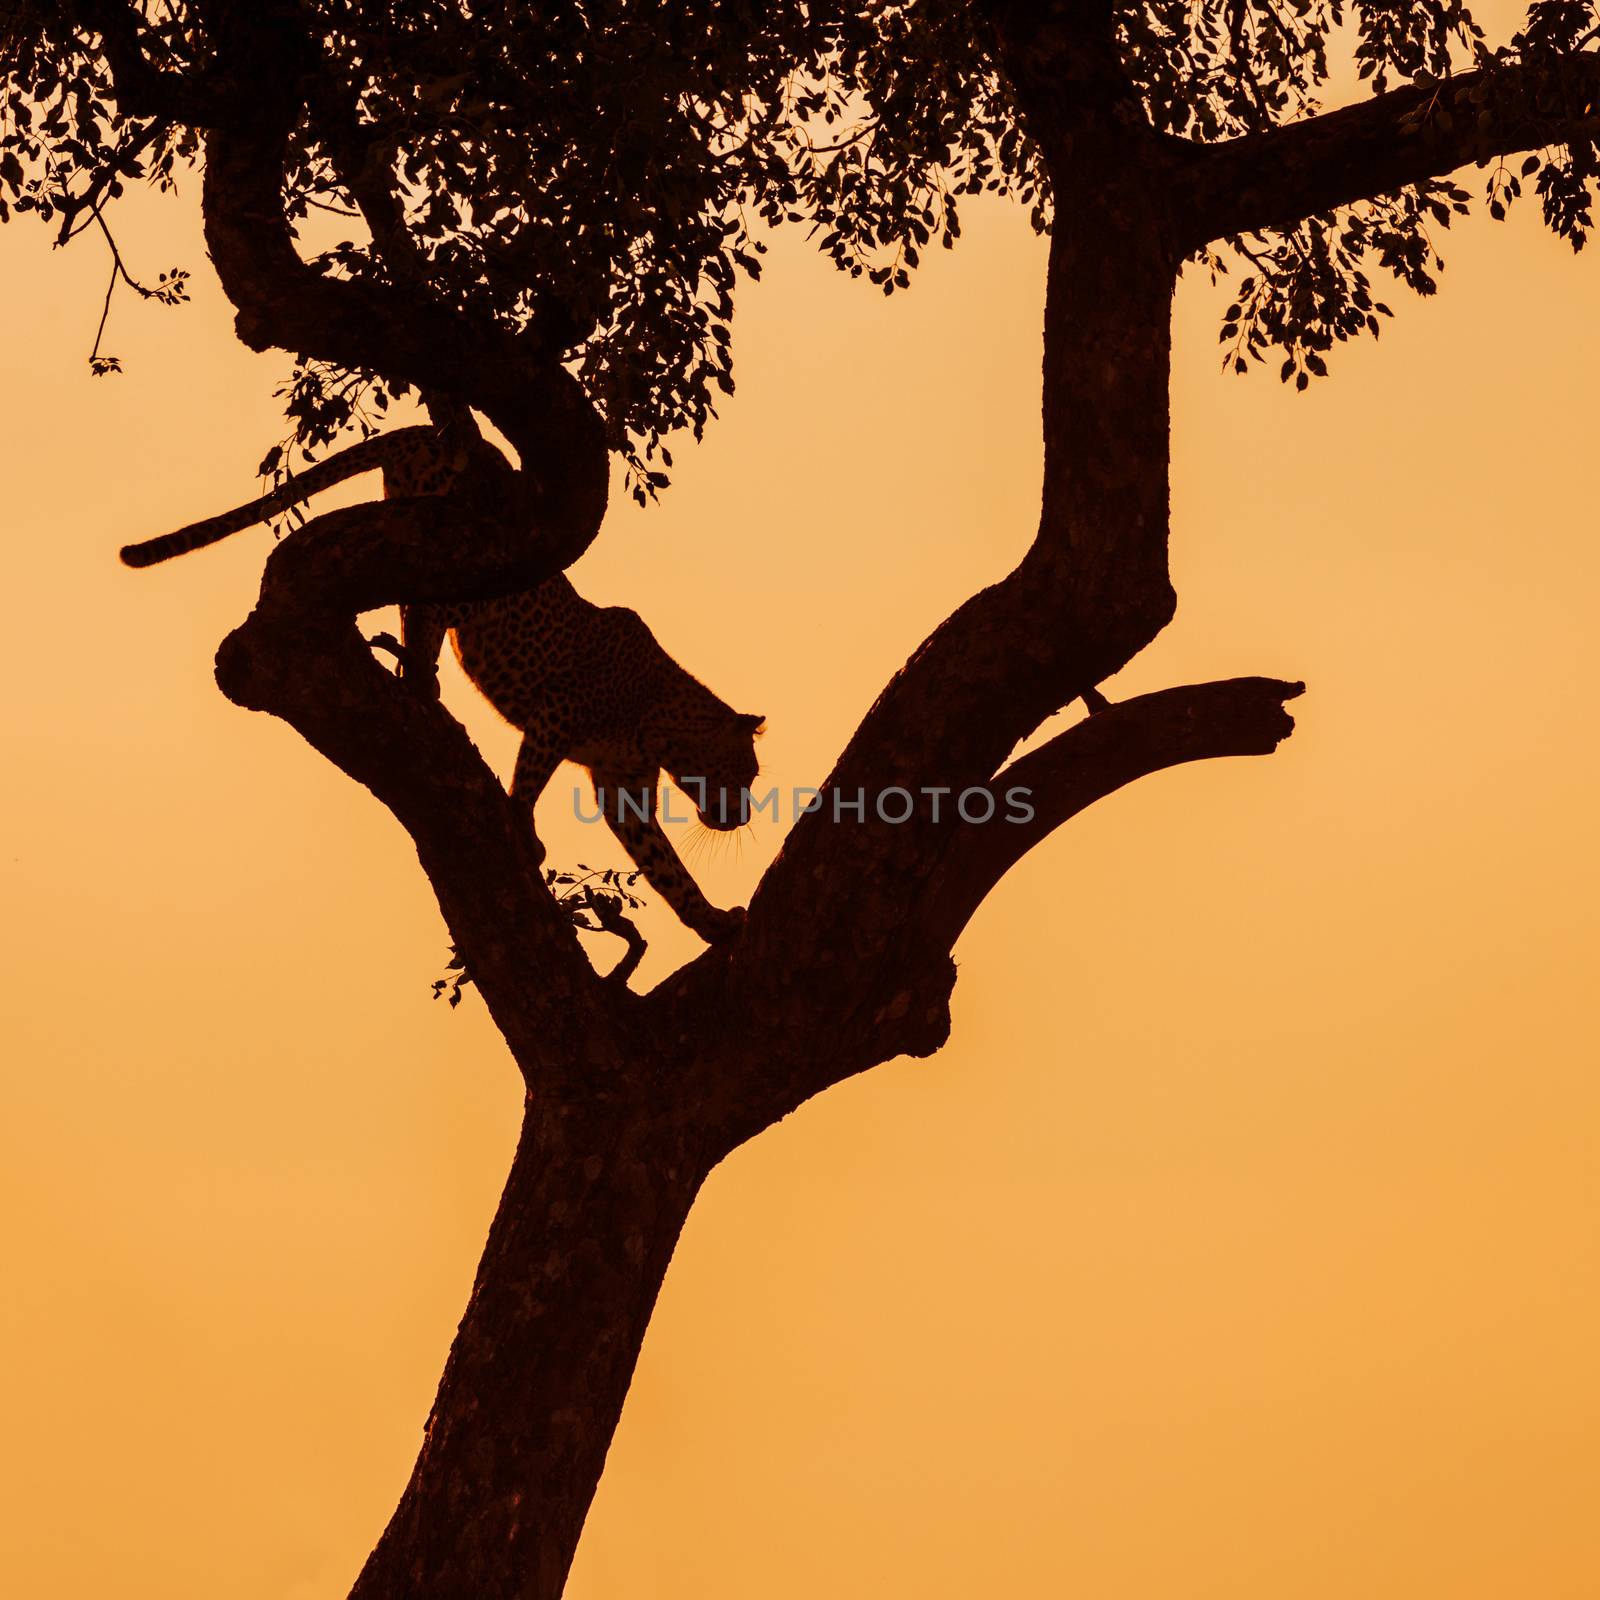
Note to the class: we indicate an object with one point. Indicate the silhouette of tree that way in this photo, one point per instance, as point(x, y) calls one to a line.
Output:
point(551, 205)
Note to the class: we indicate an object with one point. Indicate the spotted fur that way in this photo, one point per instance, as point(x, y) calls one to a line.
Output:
point(584, 683)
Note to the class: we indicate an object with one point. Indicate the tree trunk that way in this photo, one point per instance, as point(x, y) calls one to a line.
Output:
point(1107, 378)
point(541, 1363)
point(844, 959)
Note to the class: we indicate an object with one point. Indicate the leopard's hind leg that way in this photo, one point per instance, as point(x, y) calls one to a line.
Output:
point(537, 759)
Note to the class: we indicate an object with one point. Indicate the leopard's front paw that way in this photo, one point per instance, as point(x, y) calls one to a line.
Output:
point(717, 927)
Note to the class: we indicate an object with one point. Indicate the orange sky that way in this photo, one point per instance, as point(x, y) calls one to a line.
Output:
point(1245, 1240)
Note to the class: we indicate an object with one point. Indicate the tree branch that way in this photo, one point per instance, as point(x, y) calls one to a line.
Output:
point(847, 995)
point(282, 301)
point(1388, 143)
point(1094, 588)
point(608, 913)
point(300, 656)
point(1092, 759)
point(1091, 592)
point(400, 331)
point(363, 158)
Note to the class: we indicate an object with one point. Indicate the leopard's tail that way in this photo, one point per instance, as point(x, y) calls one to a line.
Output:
point(362, 457)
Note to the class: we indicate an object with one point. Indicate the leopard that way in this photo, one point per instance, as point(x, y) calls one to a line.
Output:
point(583, 683)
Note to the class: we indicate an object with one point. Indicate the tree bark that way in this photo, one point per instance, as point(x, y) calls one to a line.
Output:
point(539, 1369)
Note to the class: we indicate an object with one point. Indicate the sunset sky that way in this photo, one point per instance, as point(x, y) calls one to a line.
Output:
point(1243, 1243)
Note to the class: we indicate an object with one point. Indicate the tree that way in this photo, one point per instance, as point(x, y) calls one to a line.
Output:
point(1108, 121)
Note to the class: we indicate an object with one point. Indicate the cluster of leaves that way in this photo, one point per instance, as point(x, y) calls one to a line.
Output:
point(1211, 72)
point(699, 119)
point(1552, 87)
point(59, 123)
point(906, 113)
point(590, 895)
point(66, 153)
point(1245, 66)
point(1309, 287)
point(1220, 71)
point(1567, 171)
point(323, 401)
point(593, 172)
point(580, 171)
point(583, 170)
point(595, 900)
point(1416, 43)
point(455, 979)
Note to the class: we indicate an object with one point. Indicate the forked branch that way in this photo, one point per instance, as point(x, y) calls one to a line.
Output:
point(858, 994)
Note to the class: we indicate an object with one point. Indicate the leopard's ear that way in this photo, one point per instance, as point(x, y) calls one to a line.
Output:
point(752, 723)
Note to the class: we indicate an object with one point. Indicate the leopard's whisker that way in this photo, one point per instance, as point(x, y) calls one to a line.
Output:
point(696, 844)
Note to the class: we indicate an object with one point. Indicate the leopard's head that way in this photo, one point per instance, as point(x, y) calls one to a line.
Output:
point(712, 758)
